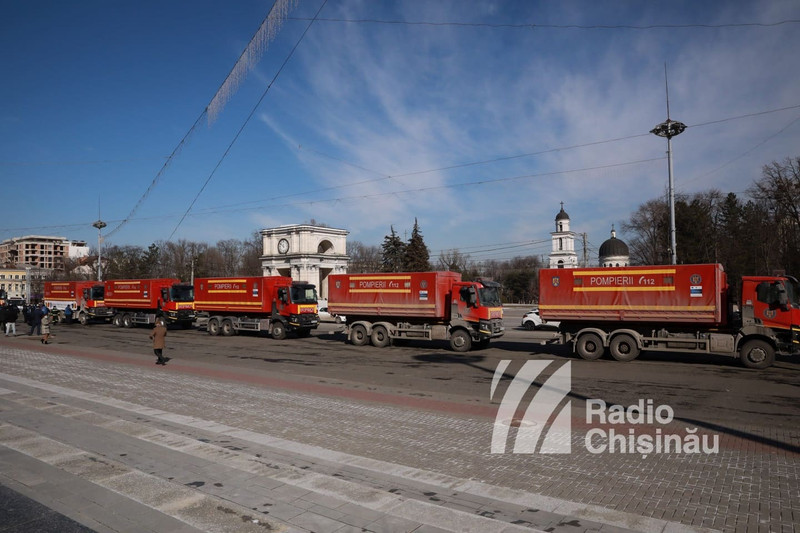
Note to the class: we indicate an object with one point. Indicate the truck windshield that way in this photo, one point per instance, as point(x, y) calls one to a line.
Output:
point(304, 294)
point(181, 293)
point(489, 296)
point(97, 293)
point(793, 291)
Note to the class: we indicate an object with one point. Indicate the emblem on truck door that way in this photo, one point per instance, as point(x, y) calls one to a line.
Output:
point(556, 281)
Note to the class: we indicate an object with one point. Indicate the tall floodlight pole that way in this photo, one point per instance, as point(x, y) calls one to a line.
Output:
point(670, 129)
point(99, 225)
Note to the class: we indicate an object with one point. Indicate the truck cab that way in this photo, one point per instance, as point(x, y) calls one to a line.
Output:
point(297, 303)
point(177, 303)
point(477, 304)
point(91, 304)
point(771, 307)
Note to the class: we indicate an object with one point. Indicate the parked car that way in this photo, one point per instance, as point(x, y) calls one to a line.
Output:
point(531, 320)
point(326, 316)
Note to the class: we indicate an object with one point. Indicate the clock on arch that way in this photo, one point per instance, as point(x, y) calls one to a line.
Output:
point(283, 246)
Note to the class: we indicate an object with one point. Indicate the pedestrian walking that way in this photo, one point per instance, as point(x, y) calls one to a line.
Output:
point(159, 335)
point(68, 314)
point(45, 323)
point(11, 313)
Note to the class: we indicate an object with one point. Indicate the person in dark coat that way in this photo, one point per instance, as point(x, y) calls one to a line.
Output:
point(159, 335)
point(36, 321)
point(10, 314)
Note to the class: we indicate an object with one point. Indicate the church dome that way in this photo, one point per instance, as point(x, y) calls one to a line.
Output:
point(613, 247)
point(562, 215)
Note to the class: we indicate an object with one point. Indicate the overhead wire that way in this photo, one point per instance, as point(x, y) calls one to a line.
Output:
point(244, 124)
point(558, 26)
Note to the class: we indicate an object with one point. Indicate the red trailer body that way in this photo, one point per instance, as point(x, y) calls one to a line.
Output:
point(671, 308)
point(383, 306)
point(141, 301)
point(257, 303)
point(415, 295)
point(694, 294)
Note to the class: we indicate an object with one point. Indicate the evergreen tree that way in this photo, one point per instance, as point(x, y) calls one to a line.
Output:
point(416, 257)
point(393, 252)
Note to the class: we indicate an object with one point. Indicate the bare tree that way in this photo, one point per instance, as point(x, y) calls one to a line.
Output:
point(454, 261)
point(252, 251)
point(363, 258)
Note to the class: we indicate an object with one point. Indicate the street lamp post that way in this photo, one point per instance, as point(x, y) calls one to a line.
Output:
point(99, 225)
point(670, 129)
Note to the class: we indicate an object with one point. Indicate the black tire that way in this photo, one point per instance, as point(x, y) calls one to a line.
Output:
point(757, 354)
point(127, 321)
point(227, 329)
point(529, 325)
point(460, 341)
point(117, 320)
point(83, 318)
point(380, 337)
point(278, 330)
point(358, 336)
point(589, 346)
point(213, 327)
point(624, 348)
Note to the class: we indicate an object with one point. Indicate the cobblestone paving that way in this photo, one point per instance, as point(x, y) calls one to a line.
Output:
point(750, 484)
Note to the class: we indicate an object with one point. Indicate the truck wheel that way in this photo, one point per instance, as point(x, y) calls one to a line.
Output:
point(117, 320)
point(380, 337)
point(589, 346)
point(127, 321)
point(624, 348)
point(278, 330)
point(227, 328)
point(358, 335)
point(213, 327)
point(757, 354)
point(83, 319)
point(460, 341)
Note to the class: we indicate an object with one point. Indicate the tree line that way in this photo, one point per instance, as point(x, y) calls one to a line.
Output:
point(758, 234)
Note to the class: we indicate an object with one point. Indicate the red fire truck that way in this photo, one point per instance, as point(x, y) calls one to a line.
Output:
point(381, 307)
point(85, 297)
point(141, 301)
point(272, 304)
point(672, 308)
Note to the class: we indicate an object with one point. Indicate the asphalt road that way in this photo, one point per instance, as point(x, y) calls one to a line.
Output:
point(710, 391)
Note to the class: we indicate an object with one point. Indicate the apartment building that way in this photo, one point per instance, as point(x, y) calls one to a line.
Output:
point(40, 251)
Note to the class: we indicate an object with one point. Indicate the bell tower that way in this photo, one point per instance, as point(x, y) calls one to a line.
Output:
point(563, 253)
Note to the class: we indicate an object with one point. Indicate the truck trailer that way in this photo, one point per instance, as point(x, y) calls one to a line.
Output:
point(87, 299)
point(383, 307)
point(272, 304)
point(142, 301)
point(672, 308)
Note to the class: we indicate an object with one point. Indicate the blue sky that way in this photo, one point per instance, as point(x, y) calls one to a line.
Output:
point(477, 128)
